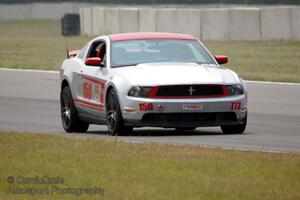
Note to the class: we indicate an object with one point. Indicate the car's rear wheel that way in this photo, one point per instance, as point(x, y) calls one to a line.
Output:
point(70, 120)
point(115, 123)
point(235, 129)
point(185, 128)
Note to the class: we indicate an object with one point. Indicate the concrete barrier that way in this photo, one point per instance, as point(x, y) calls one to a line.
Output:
point(276, 23)
point(98, 21)
point(244, 24)
point(86, 21)
point(280, 23)
point(111, 16)
point(188, 22)
point(215, 24)
point(128, 20)
point(167, 20)
point(147, 19)
point(206, 23)
point(295, 17)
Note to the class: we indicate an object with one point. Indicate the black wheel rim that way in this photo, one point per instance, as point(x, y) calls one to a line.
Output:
point(65, 110)
point(111, 113)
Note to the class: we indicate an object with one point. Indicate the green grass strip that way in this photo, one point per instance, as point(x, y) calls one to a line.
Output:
point(146, 171)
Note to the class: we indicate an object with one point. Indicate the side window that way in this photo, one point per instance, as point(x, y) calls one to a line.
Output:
point(98, 49)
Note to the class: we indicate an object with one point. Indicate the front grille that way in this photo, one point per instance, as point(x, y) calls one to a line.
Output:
point(190, 91)
point(181, 118)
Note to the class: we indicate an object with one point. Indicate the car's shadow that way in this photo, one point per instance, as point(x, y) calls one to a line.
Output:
point(163, 132)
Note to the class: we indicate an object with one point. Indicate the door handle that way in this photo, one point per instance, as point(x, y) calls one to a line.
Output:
point(80, 74)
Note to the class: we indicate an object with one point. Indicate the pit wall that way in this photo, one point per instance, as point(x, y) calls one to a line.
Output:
point(234, 23)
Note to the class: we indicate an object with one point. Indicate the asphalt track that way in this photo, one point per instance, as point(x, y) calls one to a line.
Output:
point(29, 102)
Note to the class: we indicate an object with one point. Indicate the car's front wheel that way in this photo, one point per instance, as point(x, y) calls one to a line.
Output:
point(115, 123)
point(235, 129)
point(70, 120)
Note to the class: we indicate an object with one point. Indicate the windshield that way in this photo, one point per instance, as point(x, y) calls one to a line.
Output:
point(134, 52)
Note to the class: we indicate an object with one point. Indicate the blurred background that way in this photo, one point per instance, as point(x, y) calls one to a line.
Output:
point(261, 37)
point(163, 1)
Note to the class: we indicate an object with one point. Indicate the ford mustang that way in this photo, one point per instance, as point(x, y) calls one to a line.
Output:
point(150, 79)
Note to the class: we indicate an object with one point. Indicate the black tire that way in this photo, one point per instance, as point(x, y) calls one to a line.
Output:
point(70, 120)
point(115, 123)
point(235, 129)
point(185, 128)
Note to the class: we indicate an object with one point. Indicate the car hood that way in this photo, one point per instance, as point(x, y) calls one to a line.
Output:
point(152, 74)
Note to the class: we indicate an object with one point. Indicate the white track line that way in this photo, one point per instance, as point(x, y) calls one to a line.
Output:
point(150, 141)
point(30, 70)
point(57, 72)
point(273, 83)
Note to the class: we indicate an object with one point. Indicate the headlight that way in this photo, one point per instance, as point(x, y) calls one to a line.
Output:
point(233, 90)
point(137, 91)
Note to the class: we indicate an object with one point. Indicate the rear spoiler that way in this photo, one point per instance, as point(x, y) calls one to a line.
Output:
point(74, 53)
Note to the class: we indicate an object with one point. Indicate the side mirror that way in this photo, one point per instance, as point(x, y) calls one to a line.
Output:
point(221, 59)
point(94, 61)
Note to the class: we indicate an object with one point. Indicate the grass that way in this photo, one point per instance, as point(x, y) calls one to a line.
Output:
point(265, 61)
point(34, 44)
point(38, 45)
point(147, 171)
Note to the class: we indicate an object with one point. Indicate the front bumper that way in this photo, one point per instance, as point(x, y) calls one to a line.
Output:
point(170, 112)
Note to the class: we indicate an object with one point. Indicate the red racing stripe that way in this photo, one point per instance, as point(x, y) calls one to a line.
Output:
point(89, 104)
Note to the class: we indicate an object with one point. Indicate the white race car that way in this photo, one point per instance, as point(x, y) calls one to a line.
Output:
point(150, 79)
